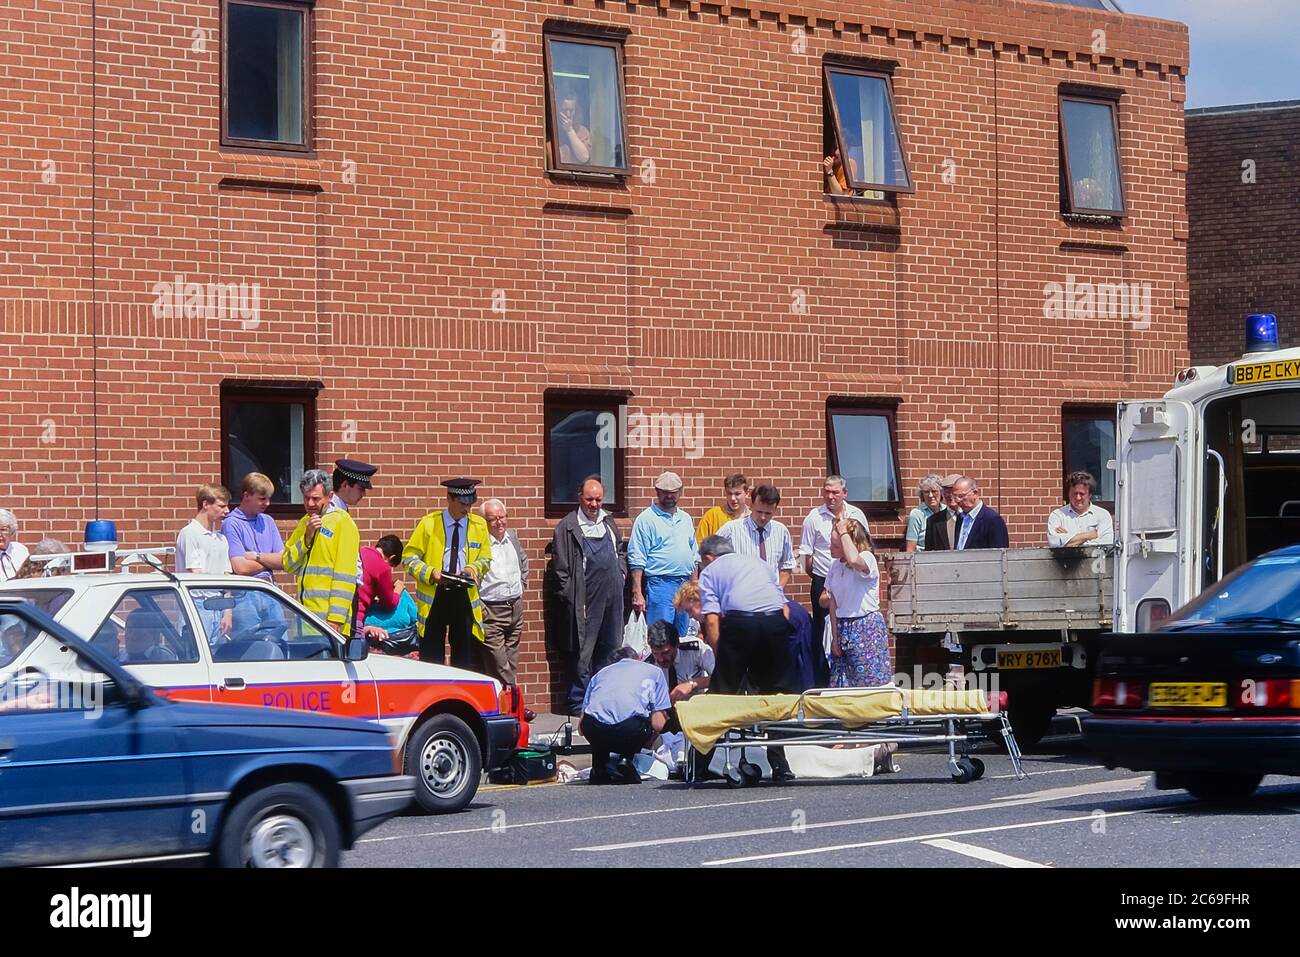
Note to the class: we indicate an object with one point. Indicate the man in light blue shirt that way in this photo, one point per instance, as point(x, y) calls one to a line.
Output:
point(625, 707)
point(747, 624)
point(661, 554)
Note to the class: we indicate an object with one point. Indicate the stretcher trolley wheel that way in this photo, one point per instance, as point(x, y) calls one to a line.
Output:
point(977, 767)
point(963, 770)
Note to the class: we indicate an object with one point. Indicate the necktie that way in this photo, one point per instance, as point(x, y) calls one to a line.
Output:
point(965, 530)
point(455, 548)
point(762, 543)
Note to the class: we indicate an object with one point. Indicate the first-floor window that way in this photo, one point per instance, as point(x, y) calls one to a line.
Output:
point(1090, 157)
point(862, 448)
point(265, 70)
point(584, 89)
point(1088, 444)
point(582, 439)
point(269, 428)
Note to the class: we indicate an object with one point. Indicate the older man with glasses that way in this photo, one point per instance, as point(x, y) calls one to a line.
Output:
point(12, 552)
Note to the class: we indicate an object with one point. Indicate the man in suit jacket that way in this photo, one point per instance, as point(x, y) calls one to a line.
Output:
point(980, 526)
point(941, 527)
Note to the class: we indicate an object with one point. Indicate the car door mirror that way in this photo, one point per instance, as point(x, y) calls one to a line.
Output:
point(358, 649)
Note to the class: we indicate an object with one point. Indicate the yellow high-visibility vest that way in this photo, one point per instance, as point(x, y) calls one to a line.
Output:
point(427, 547)
point(326, 570)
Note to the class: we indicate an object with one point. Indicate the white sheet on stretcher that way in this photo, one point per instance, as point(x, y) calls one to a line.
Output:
point(706, 718)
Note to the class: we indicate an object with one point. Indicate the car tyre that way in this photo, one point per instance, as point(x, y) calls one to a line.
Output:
point(1222, 788)
point(443, 756)
point(286, 825)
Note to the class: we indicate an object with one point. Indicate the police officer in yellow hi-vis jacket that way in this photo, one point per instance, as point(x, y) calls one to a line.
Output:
point(448, 554)
point(324, 551)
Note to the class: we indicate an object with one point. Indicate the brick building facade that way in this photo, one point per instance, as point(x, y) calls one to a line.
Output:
point(1243, 254)
point(418, 266)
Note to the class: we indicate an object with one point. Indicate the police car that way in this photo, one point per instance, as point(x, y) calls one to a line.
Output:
point(236, 640)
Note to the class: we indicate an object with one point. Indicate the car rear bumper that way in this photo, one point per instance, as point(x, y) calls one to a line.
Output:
point(374, 800)
point(1254, 745)
point(502, 736)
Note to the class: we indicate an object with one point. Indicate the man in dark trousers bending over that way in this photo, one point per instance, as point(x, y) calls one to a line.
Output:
point(746, 624)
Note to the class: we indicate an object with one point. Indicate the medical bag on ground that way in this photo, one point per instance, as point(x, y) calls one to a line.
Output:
point(526, 766)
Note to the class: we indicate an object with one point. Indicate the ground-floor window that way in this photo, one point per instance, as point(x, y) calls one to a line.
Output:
point(1088, 444)
point(583, 432)
point(862, 446)
point(269, 427)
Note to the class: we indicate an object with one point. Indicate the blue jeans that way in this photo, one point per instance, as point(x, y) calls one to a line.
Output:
point(257, 616)
point(659, 593)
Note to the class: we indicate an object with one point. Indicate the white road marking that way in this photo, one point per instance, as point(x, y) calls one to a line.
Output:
point(1099, 787)
point(921, 838)
point(571, 820)
point(981, 853)
point(1034, 774)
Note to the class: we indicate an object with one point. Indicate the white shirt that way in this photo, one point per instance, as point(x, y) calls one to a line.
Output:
point(743, 535)
point(504, 579)
point(1095, 519)
point(11, 559)
point(856, 592)
point(815, 539)
point(200, 550)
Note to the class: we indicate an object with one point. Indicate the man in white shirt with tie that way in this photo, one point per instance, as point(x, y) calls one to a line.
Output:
point(761, 535)
point(1080, 522)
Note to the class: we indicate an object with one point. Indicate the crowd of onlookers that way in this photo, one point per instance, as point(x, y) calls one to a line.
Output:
point(711, 598)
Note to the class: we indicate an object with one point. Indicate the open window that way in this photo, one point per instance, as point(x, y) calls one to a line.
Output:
point(585, 126)
point(862, 446)
point(269, 427)
point(861, 134)
point(1088, 445)
point(1091, 183)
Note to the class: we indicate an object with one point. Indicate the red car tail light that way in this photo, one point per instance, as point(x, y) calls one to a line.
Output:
point(1117, 693)
point(1268, 693)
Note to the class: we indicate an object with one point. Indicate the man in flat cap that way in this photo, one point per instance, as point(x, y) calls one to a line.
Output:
point(661, 554)
point(941, 527)
point(452, 542)
point(324, 551)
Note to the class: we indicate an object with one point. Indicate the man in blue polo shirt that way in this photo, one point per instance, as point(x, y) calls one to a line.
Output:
point(255, 550)
point(625, 706)
point(661, 554)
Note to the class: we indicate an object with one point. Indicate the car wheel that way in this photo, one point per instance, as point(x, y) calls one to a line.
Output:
point(1219, 788)
point(1030, 721)
point(443, 756)
point(285, 825)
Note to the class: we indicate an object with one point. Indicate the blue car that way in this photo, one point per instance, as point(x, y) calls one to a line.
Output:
point(96, 768)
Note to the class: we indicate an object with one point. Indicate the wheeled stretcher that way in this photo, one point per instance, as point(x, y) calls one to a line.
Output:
point(830, 716)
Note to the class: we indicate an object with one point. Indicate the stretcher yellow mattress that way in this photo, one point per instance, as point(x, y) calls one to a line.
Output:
point(706, 718)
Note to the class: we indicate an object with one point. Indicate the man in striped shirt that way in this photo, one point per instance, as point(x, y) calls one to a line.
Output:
point(761, 535)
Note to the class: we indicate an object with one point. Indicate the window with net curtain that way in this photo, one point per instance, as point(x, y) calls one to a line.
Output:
point(1091, 157)
point(264, 51)
point(862, 451)
point(586, 109)
point(865, 132)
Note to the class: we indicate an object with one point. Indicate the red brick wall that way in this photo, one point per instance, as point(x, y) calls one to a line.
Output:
point(1243, 255)
point(382, 288)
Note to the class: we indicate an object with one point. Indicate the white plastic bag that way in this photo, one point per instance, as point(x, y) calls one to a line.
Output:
point(635, 634)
